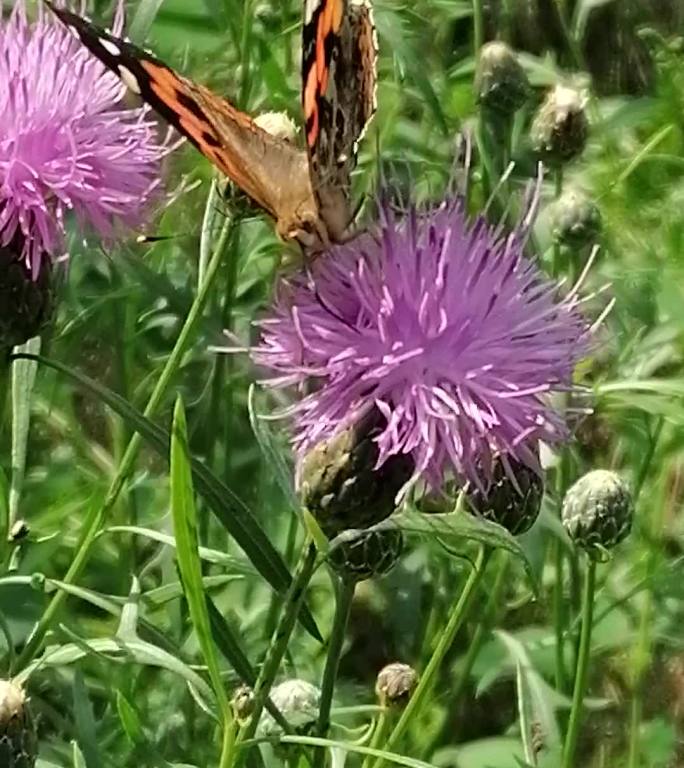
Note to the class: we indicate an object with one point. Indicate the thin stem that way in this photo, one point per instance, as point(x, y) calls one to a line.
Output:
point(420, 695)
point(559, 615)
point(281, 636)
point(582, 666)
point(558, 191)
point(228, 744)
point(478, 27)
point(379, 735)
point(345, 595)
point(162, 386)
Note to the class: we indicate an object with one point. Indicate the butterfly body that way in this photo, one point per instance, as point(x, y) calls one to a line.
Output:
point(307, 192)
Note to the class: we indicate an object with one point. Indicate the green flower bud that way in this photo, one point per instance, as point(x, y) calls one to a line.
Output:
point(576, 220)
point(25, 303)
point(242, 703)
point(560, 129)
point(395, 685)
point(298, 701)
point(597, 511)
point(340, 486)
point(278, 124)
point(513, 501)
point(501, 84)
point(18, 743)
point(359, 555)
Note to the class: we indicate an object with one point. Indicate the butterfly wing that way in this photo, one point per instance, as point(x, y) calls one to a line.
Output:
point(271, 171)
point(339, 72)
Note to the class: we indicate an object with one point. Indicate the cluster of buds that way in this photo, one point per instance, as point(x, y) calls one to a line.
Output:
point(342, 488)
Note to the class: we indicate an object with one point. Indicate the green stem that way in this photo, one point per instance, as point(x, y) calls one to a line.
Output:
point(559, 615)
point(420, 695)
point(228, 744)
point(345, 595)
point(478, 27)
point(162, 386)
point(379, 735)
point(558, 191)
point(281, 636)
point(582, 667)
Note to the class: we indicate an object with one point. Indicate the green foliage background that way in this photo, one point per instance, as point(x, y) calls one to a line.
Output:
point(121, 311)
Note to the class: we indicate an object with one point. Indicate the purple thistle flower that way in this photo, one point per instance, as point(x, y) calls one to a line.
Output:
point(444, 326)
point(66, 140)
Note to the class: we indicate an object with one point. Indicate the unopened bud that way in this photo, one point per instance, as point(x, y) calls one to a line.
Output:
point(501, 84)
point(342, 488)
point(242, 703)
point(576, 220)
point(560, 128)
point(359, 555)
point(395, 685)
point(597, 511)
point(17, 730)
point(25, 302)
point(298, 702)
point(513, 498)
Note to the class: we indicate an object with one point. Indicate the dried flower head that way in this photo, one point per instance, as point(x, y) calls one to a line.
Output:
point(576, 220)
point(445, 327)
point(501, 84)
point(395, 684)
point(560, 128)
point(298, 700)
point(68, 141)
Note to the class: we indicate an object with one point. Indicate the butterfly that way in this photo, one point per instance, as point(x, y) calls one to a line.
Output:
point(307, 191)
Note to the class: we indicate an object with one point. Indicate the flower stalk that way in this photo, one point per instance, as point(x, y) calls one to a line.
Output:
point(345, 595)
point(444, 643)
point(582, 666)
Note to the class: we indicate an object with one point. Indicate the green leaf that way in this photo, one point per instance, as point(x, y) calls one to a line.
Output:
point(86, 732)
point(184, 515)
point(230, 510)
point(228, 644)
point(78, 761)
point(129, 719)
point(117, 649)
point(143, 18)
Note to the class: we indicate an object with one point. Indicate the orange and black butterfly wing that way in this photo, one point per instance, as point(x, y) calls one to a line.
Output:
point(339, 72)
point(260, 164)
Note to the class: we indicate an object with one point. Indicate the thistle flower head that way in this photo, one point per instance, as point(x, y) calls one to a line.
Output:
point(67, 143)
point(395, 684)
point(445, 327)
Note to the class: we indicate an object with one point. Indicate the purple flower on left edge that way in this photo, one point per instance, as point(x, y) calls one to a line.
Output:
point(68, 143)
point(442, 326)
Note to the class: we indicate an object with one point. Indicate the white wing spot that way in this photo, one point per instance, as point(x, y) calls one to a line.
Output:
point(309, 8)
point(129, 79)
point(110, 47)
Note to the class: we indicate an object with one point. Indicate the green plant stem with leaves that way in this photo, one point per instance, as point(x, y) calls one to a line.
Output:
point(345, 595)
point(582, 667)
point(445, 641)
point(97, 517)
point(281, 637)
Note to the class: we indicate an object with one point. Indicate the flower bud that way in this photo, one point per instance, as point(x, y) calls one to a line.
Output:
point(501, 84)
point(597, 511)
point(25, 301)
point(361, 555)
point(278, 124)
point(242, 703)
point(17, 730)
point(298, 701)
point(560, 128)
point(395, 685)
point(340, 485)
point(511, 500)
point(576, 220)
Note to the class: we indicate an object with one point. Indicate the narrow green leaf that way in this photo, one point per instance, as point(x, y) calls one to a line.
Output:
point(141, 22)
point(86, 733)
point(129, 719)
point(23, 379)
point(78, 761)
point(128, 622)
point(228, 644)
point(230, 510)
point(184, 515)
